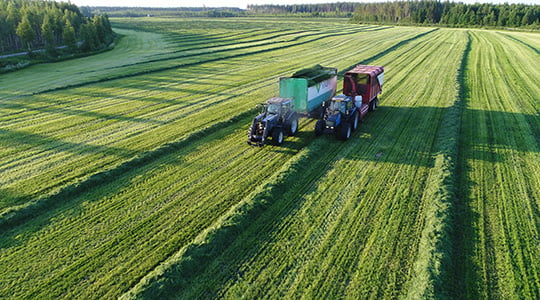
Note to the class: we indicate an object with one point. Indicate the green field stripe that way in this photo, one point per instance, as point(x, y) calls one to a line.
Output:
point(238, 218)
point(160, 217)
point(432, 266)
point(498, 208)
point(88, 270)
point(132, 176)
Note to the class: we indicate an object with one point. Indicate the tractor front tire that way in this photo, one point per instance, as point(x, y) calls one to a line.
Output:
point(277, 136)
point(344, 131)
point(319, 127)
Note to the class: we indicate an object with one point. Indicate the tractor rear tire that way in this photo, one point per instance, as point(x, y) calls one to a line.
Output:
point(344, 131)
point(293, 126)
point(319, 127)
point(277, 136)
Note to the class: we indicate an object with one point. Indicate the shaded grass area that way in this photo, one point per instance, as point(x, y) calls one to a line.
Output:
point(496, 240)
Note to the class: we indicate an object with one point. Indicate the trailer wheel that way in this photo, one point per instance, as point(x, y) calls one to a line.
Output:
point(344, 131)
point(319, 127)
point(354, 121)
point(293, 126)
point(375, 103)
point(277, 136)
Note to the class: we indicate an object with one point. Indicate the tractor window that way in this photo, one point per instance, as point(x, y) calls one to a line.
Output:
point(273, 108)
point(334, 106)
point(343, 107)
point(286, 107)
point(338, 106)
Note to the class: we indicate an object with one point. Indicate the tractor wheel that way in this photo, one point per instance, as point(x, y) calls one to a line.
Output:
point(277, 136)
point(319, 127)
point(293, 126)
point(344, 131)
point(354, 121)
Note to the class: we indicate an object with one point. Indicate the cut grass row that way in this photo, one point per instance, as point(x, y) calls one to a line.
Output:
point(317, 218)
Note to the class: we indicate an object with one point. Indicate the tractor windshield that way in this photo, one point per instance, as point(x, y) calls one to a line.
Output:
point(336, 106)
point(273, 108)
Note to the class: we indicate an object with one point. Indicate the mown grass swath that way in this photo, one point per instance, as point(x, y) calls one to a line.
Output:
point(109, 103)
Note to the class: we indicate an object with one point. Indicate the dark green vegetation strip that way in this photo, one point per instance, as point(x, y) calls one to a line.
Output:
point(434, 260)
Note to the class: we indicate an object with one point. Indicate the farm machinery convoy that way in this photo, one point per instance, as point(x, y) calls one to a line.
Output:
point(311, 93)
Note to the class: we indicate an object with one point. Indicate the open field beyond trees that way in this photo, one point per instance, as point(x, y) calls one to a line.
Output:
point(127, 173)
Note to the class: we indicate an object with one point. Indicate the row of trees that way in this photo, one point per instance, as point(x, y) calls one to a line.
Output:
point(340, 9)
point(178, 12)
point(449, 13)
point(31, 24)
point(435, 12)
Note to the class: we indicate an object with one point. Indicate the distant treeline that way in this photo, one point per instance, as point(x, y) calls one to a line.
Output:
point(433, 12)
point(31, 24)
point(345, 9)
point(185, 12)
point(449, 14)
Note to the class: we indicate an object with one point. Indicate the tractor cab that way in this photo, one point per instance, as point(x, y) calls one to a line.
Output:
point(278, 106)
point(338, 107)
point(340, 103)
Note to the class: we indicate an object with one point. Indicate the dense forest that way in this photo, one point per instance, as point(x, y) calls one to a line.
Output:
point(340, 9)
point(433, 12)
point(26, 25)
point(449, 14)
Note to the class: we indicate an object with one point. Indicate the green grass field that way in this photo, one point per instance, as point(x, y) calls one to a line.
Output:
point(127, 173)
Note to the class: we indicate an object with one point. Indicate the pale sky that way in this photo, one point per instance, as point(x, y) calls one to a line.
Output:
point(242, 3)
